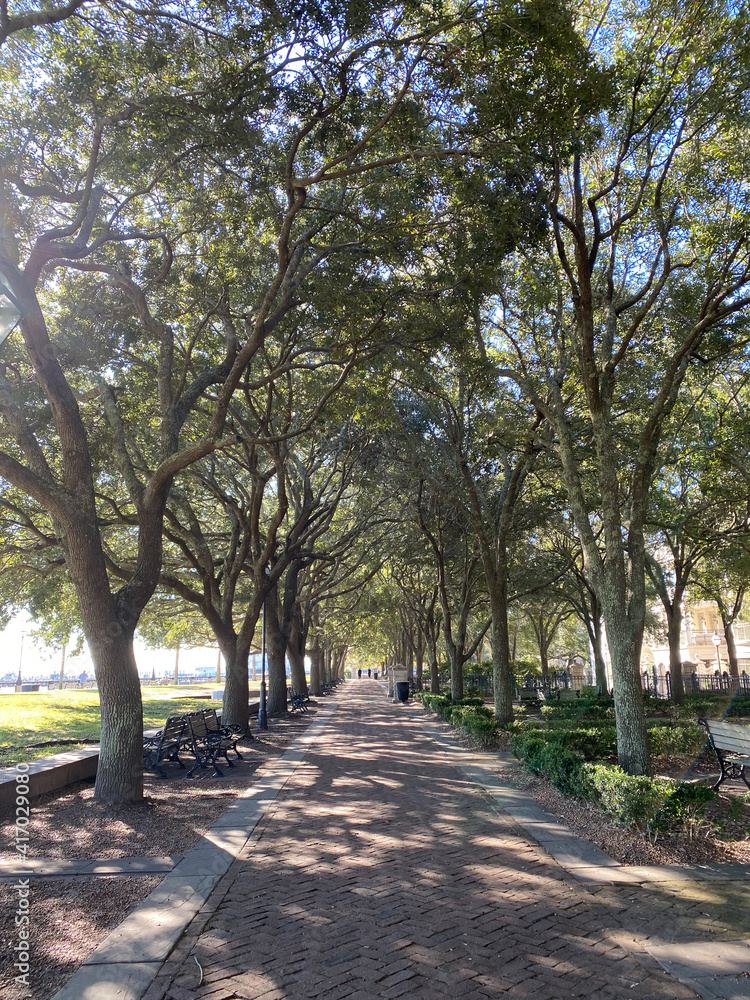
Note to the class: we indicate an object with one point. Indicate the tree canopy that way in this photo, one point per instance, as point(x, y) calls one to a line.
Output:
point(392, 324)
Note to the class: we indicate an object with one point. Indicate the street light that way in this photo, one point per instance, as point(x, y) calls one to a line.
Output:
point(716, 640)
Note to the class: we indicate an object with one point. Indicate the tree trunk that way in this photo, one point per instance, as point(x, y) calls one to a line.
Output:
point(327, 662)
point(455, 659)
point(420, 657)
point(235, 706)
point(119, 776)
point(502, 679)
point(630, 720)
point(276, 699)
point(734, 667)
point(315, 667)
point(597, 636)
point(296, 654)
point(674, 637)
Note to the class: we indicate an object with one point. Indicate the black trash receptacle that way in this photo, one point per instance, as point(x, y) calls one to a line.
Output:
point(402, 690)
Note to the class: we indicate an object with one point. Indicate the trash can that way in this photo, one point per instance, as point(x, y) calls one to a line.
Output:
point(397, 674)
point(402, 690)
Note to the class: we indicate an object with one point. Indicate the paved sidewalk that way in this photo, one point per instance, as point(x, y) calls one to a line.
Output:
point(383, 871)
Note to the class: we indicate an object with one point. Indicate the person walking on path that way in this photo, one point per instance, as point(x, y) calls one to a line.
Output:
point(382, 872)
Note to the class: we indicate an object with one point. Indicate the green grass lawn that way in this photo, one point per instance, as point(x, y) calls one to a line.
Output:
point(51, 716)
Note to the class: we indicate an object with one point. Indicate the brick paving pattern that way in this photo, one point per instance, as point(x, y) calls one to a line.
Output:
point(381, 872)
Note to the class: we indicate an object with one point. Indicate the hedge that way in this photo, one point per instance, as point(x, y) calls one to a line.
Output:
point(469, 714)
point(630, 800)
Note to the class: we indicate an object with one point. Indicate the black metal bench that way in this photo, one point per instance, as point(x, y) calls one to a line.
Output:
point(296, 700)
point(207, 744)
point(731, 745)
point(165, 745)
point(234, 733)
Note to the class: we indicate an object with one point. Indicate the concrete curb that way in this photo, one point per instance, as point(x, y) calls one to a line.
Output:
point(129, 959)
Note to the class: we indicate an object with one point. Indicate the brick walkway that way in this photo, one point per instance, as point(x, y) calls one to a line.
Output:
point(382, 872)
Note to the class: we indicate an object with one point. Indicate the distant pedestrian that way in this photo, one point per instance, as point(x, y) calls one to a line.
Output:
point(359, 674)
point(369, 671)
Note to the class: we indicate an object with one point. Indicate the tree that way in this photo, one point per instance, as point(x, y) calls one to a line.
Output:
point(648, 260)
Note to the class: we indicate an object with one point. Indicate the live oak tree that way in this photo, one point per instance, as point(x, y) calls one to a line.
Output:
point(88, 190)
point(648, 259)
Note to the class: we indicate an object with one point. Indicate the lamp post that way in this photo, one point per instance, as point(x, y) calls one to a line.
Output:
point(716, 640)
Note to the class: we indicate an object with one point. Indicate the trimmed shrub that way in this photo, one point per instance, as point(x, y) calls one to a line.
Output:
point(675, 739)
point(700, 704)
point(739, 707)
point(518, 726)
point(476, 720)
point(564, 768)
point(591, 710)
point(592, 742)
point(685, 807)
point(438, 703)
point(632, 800)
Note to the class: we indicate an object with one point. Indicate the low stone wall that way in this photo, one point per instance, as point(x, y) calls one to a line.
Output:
point(48, 773)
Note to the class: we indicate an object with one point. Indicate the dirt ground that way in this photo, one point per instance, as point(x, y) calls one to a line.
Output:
point(69, 917)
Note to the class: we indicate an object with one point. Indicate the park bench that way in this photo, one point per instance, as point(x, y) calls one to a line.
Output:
point(731, 745)
point(165, 745)
point(530, 696)
point(234, 733)
point(296, 701)
point(207, 744)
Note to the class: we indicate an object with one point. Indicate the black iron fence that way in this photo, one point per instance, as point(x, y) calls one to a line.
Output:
point(654, 681)
point(559, 680)
point(660, 684)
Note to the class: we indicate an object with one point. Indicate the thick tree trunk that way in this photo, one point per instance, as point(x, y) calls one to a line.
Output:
point(544, 657)
point(236, 704)
point(502, 679)
point(597, 643)
point(630, 720)
point(420, 657)
point(119, 776)
point(316, 657)
point(434, 674)
point(296, 654)
point(276, 699)
point(455, 659)
point(109, 630)
point(734, 667)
